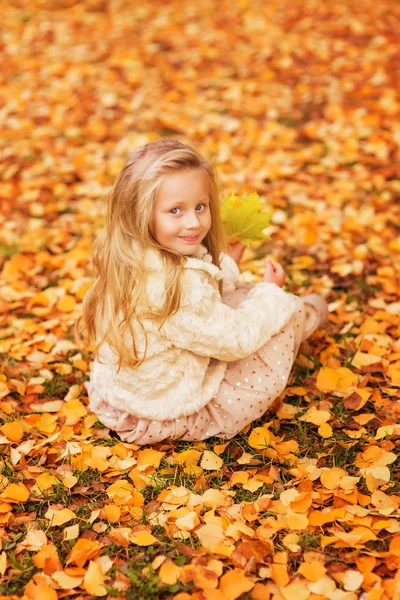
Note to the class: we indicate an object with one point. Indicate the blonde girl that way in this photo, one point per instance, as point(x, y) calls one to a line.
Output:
point(182, 347)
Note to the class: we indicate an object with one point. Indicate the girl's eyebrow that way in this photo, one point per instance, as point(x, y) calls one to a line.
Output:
point(183, 202)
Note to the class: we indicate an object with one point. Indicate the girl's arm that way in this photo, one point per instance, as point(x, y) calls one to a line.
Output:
point(206, 326)
point(231, 273)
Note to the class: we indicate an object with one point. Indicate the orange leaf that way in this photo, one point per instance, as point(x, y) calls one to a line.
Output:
point(204, 578)
point(312, 571)
point(83, 550)
point(13, 430)
point(66, 303)
point(394, 547)
point(327, 379)
point(15, 492)
point(234, 583)
point(279, 574)
point(111, 513)
point(48, 560)
point(149, 457)
point(39, 590)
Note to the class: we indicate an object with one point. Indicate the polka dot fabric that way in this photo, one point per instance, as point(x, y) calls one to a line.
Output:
point(248, 389)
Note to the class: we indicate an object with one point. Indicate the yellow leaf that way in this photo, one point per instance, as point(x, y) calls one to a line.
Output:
point(325, 430)
point(60, 517)
point(296, 521)
point(3, 563)
point(213, 498)
point(67, 582)
point(4, 389)
point(362, 359)
point(260, 437)
point(169, 573)
point(254, 484)
point(325, 587)
point(143, 538)
point(71, 532)
point(188, 522)
point(243, 218)
point(210, 461)
point(295, 591)
point(210, 535)
point(382, 500)
point(45, 480)
point(347, 379)
point(331, 477)
point(120, 491)
point(73, 411)
point(93, 581)
point(352, 580)
point(69, 481)
point(316, 417)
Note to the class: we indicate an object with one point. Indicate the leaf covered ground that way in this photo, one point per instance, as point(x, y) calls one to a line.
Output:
point(299, 102)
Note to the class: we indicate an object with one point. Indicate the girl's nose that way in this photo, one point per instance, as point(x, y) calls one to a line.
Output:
point(192, 221)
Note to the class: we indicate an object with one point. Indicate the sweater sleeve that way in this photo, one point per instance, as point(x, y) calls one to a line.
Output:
point(231, 272)
point(207, 327)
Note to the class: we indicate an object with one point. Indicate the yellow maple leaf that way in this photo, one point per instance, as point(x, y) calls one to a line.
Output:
point(243, 218)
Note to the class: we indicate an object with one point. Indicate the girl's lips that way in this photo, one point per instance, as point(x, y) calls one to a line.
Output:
point(190, 239)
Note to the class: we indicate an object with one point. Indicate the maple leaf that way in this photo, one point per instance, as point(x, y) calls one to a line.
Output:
point(243, 218)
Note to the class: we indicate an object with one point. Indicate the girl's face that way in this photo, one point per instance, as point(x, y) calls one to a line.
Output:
point(181, 214)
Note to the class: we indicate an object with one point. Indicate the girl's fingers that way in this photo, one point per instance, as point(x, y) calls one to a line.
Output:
point(269, 267)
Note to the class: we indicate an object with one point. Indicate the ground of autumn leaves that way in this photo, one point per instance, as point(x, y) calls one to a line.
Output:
point(297, 100)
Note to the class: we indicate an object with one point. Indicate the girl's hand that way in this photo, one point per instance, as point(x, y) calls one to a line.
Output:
point(236, 251)
point(274, 273)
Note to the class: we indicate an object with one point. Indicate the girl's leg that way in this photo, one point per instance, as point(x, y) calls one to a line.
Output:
point(251, 384)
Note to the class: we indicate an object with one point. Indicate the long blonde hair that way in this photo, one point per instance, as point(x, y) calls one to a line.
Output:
point(115, 299)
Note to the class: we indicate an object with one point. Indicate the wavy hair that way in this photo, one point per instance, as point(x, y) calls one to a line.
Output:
point(115, 301)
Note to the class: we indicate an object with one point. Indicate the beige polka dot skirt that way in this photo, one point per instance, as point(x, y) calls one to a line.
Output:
point(248, 389)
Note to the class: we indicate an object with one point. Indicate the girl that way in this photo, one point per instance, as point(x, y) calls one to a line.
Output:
point(183, 348)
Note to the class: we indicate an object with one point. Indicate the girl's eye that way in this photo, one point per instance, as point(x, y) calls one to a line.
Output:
point(172, 211)
point(201, 205)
